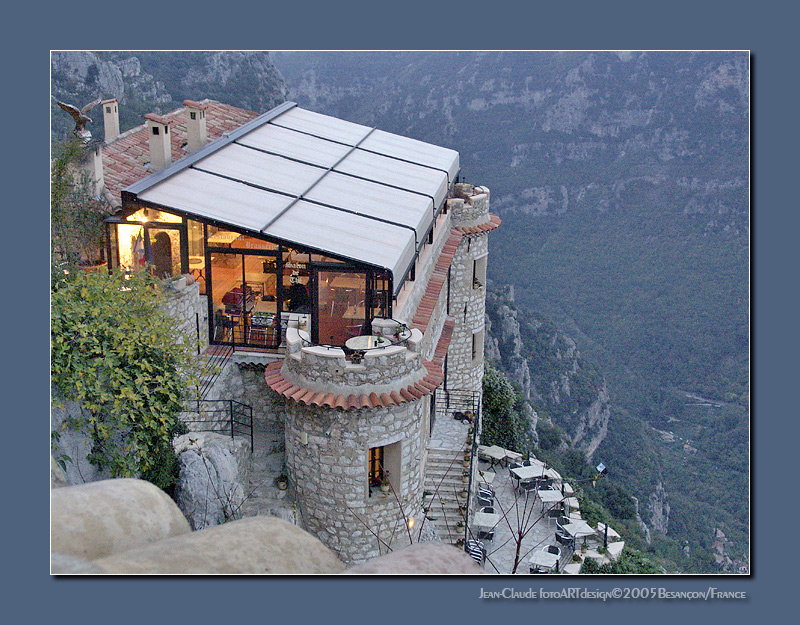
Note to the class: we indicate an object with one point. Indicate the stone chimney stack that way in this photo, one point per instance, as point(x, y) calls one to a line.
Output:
point(160, 143)
point(111, 119)
point(196, 135)
point(93, 165)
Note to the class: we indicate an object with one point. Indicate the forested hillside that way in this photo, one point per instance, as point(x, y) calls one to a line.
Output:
point(623, 183)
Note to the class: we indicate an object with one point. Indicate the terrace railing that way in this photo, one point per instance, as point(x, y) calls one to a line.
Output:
point(223, 416)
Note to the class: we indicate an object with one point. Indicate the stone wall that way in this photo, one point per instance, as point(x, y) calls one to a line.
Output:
point(189, 309)
point(327, 453)
point(243, 382)
point(467, 303)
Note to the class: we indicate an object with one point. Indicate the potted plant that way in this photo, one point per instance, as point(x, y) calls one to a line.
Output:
point(386, 485)
point(459, 542)
point(282, 482)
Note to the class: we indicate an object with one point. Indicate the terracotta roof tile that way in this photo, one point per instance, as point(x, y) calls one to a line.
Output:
point(386, 400)
point(125, 157)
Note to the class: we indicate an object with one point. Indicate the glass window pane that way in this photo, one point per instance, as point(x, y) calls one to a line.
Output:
point(165, 246)
point(342, 312)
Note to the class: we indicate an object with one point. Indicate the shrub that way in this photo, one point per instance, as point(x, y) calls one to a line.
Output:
point(114, 350)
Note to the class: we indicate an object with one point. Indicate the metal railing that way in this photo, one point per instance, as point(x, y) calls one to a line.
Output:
point(218, 356)
point(224, 416)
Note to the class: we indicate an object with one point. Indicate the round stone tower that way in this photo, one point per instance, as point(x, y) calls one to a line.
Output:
point(469, 216)
point(348, 427)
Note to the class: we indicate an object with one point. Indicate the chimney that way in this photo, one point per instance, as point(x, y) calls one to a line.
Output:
point(93, 165)
point(111, 118)
point(160, 144)
point(196, 135)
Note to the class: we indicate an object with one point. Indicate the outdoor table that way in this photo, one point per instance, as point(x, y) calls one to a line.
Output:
point(572, 502)
point(513, 455)
point(529, 473)
point(567, 489)
point(579, 529)
point(543, 559)
point(358, 343)
point(495, 453)
point(601, 531)
point(485, 520)
point(550, 496)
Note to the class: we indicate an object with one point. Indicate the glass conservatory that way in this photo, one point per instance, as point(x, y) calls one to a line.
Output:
point(294, 213)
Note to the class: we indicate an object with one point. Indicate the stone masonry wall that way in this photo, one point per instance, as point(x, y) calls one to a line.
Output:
point(189, 309)
point(329, 474)
point(467, 304)
point(247, 385)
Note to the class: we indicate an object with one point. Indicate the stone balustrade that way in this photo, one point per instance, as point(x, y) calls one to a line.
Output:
point(328, 370)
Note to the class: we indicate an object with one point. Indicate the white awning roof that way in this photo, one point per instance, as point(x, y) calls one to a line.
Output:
point(315, 181)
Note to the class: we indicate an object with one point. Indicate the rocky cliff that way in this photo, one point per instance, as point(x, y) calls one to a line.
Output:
point(548, 368)
point(158, 82)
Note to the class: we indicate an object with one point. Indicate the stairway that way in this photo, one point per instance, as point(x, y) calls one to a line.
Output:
point(443, 470)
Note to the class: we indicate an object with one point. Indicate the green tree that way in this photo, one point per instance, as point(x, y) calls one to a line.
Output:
point(505, 422)
point(630, 561)
point(76, 217)
point(114, 350)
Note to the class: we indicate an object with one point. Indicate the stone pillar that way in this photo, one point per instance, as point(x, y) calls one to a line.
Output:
point(469, 208)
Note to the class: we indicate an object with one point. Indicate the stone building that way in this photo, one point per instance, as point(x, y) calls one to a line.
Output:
point(341, 272)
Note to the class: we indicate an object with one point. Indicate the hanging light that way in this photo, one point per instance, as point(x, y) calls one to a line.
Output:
point(410, 522)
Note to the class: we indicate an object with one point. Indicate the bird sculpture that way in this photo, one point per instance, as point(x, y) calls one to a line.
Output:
point(80, 116)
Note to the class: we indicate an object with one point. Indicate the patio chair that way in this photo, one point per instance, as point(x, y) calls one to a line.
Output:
point(486, 487)
point(487, 509)
point(486, 534)
point(483, 501)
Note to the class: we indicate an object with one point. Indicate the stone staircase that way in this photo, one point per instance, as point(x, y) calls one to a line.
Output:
point(262, 495)
point(443, 471)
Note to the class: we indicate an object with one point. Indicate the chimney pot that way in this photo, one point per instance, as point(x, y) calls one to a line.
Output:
point(196, 134)
point(110, 119)
point(159, 139)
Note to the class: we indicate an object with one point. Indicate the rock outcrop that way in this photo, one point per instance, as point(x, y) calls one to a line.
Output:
point(158, 82)
point(548, 368)
point(213, 470)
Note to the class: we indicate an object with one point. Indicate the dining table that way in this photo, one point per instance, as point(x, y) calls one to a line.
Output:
point(485, 520)
point(372, 341)
point(543, 559)
point(494, 453)
point(529, 472)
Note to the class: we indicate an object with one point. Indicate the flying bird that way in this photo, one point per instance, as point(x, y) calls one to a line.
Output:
point(79, 115)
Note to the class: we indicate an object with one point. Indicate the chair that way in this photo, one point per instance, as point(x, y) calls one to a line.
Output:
point(487, 510)
point(565, 539)
point(555, 551)
point(552, 549)
point(477, 551)
point(484, 486)
point(486, 494)
point(483, 501)
point(486, 534)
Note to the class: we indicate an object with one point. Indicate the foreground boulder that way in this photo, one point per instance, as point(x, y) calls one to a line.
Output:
point(420, 559)
point(256, 545)
point(90, 521)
